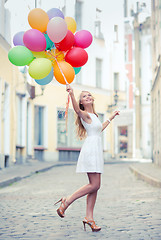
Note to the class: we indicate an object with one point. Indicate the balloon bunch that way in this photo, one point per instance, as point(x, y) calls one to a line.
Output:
point(51, 47)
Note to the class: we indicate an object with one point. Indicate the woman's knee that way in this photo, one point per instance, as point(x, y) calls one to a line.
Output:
point(95, 187)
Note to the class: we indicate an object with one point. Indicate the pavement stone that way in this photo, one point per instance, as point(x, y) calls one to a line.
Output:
point(144, 169)
point(17, 172)
point(148, 172)
point(126, 208)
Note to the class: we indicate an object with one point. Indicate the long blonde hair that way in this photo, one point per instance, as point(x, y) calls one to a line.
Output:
point(81, 131)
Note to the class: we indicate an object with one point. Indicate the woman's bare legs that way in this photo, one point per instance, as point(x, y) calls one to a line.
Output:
point(91, 198)
point(92, 187)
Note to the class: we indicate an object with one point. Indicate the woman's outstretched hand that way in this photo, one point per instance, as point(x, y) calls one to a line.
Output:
point(115, 113)
point(69, 89)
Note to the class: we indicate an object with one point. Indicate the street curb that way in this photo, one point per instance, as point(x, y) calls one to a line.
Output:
point(18, 178)
point(140, 175)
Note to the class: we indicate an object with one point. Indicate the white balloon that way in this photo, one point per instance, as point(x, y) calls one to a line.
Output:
point(57, 29)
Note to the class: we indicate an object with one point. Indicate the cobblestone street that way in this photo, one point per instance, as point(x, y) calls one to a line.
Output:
point(126, 208)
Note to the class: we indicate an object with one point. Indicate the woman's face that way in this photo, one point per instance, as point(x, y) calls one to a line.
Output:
point(86, 98)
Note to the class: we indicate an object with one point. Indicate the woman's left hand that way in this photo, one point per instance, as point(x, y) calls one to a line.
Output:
point(115, 113)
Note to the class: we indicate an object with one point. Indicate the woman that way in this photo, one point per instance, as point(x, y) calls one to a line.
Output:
point(91, 156)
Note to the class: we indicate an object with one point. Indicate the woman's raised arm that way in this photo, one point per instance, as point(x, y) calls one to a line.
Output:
point(74, 102)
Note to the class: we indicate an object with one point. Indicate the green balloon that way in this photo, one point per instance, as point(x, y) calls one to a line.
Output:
point(20, 56)
point(40, 68)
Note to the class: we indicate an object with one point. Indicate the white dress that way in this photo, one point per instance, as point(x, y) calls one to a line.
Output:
point(91, 154)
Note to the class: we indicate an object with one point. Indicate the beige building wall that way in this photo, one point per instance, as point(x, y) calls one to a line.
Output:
point(11, 82)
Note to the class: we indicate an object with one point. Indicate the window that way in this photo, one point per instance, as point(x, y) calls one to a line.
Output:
point(69, 138)
point(125, 8)
point(39, 125)
point(98, 72)
point(19, 120)
point(64, 10)
point(116, 81)
point(123, 139)
point(139, 45)
point(61, 129)
point(126, 51)
point(115, 33)
point(78, 14)
point(98, 33)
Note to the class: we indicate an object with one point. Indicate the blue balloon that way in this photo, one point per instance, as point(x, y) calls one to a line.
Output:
point(77, 70)
point(47, 79)
point(53, 47)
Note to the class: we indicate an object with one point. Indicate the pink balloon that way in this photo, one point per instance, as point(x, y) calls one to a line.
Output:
point(83, 39)
point(34, 40)
point(57, 29)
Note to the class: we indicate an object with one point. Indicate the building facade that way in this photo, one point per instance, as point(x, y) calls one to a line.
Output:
point(139, 74)
point(32, 116)
point(156, 81)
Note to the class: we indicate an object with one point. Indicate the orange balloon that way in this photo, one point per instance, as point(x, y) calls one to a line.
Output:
point(67, 70)
point(71, 24)
point(38, 19)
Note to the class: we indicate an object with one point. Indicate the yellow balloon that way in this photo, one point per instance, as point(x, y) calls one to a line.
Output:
point(40, 68)
point(71, 24)
point(39, 54)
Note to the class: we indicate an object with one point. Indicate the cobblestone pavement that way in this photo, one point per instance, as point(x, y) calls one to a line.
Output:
point(126, 208)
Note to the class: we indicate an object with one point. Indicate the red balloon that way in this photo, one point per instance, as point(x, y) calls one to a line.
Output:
point(66, 43)
point(77, 57)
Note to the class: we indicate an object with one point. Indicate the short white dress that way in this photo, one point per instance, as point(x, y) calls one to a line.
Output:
point(91, 154)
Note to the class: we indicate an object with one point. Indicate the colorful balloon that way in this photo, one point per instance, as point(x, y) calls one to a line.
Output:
point(20, 56)
point(40, 68)
point(77, 70)
point(34, 40)
point(47, 79)
point(55, 12)
point(57, 29)
point(49, 43)
point(54, 55)
point(71, 24)
point(18, 39)
point(67, 70)
point(83, 39)
point(38, 19)
point(39, 54)
point(66, 43)
point(77, 57)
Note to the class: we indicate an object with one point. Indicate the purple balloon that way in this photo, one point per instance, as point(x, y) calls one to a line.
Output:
point(34, 40)
point(18, 39)
point(54, 12)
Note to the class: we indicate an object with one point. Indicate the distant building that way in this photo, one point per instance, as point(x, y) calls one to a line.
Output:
point(156, 81)
point(139, 74)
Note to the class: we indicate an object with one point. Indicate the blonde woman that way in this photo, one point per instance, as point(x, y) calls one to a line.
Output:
point(90, 159)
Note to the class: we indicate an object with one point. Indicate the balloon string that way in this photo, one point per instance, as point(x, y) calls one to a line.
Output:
point(68, 99)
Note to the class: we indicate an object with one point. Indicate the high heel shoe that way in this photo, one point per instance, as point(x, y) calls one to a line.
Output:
point(62, 207)
point(92, 224)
